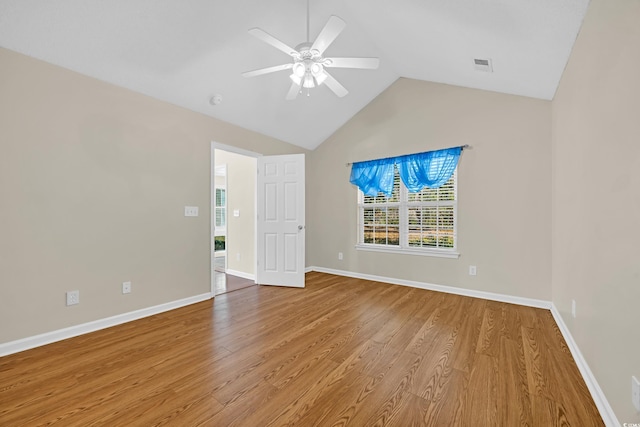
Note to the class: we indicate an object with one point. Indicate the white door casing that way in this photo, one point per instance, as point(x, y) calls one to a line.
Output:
point(281, 220)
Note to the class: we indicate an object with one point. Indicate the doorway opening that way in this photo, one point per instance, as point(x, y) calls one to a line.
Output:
point(233, 224)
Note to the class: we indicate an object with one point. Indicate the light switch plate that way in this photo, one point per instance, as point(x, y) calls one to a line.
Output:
point(236, 212)
point(190, 211)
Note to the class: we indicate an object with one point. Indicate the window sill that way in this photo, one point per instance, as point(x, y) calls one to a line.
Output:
point(422, 252)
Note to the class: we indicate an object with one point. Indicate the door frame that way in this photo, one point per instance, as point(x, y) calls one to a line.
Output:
point(212, 214)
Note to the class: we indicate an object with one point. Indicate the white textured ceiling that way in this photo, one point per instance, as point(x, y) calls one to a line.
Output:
point(183, 52)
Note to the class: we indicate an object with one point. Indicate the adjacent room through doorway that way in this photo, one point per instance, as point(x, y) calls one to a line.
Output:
point(233, 221)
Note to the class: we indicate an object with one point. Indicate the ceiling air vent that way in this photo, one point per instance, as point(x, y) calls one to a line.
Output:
point(483, 65)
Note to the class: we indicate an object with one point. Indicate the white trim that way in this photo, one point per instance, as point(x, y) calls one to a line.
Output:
point(529, 302)
point(233, 149)
point(606, 412)
point(242, 274)
point(96, 325)
point(212, 219)
point(399, 250)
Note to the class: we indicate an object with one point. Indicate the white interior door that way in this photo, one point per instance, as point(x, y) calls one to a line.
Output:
point(281, 221)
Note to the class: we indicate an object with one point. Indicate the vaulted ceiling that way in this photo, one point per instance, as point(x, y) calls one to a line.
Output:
point(184, 52)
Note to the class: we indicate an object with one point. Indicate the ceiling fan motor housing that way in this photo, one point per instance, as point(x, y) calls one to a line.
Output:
point(308, 66)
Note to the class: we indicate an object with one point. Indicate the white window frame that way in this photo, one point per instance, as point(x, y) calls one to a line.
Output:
point(403, 210)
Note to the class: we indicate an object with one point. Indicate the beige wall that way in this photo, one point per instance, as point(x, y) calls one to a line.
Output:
point(94, 178)
point(596, 197)
point(504, 186)
point(241, 191)
point(93, 183)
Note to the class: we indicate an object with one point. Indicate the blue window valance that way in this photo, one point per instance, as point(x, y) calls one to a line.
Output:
point(429, 169)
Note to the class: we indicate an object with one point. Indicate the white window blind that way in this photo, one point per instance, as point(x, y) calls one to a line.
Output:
point(422, 223)
point(221, 207)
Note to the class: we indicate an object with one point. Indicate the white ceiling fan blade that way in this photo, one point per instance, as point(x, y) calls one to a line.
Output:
point(364, 63)
point(331, 30)
point(267, 70)
point(268, 38)
point(335, 86)
point(293, 91)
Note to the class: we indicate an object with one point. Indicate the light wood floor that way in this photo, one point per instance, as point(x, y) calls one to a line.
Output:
point(340, 352)
point(228, 283)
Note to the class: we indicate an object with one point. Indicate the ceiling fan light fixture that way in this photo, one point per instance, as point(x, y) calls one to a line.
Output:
point(316, 69)
point(308, 82)
point(299, 69)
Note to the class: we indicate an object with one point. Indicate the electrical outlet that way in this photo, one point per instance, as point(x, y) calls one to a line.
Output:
point(573, 308)
point(472, 270)
point(238, 256)
point(126, 287)
point(635, 393)
point(340, 256)
point(73, 297)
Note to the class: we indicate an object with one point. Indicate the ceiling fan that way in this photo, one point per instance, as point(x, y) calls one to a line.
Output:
point(309, 65)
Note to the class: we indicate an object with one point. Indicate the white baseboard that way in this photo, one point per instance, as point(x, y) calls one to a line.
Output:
point(530, 302)
point(241, 274)
point(73, 331)
point(606, 412)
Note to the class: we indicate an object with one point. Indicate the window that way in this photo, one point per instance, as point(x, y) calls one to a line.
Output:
point(221, 219)
point(221, 208)
point(421, 223)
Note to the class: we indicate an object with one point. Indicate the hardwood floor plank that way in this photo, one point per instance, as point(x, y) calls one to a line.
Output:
point(235, 412)
point(454, 308)
point(380, 397)
point(336, 399)
point(396, 393)
point(340, 352)
point(413, 410)
point(512, 385)
point(468, 333)
point(435, 364)
point(548, 413)
point(292, 400)
point(430, 330)
point(444, 409)
point(481, 404)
